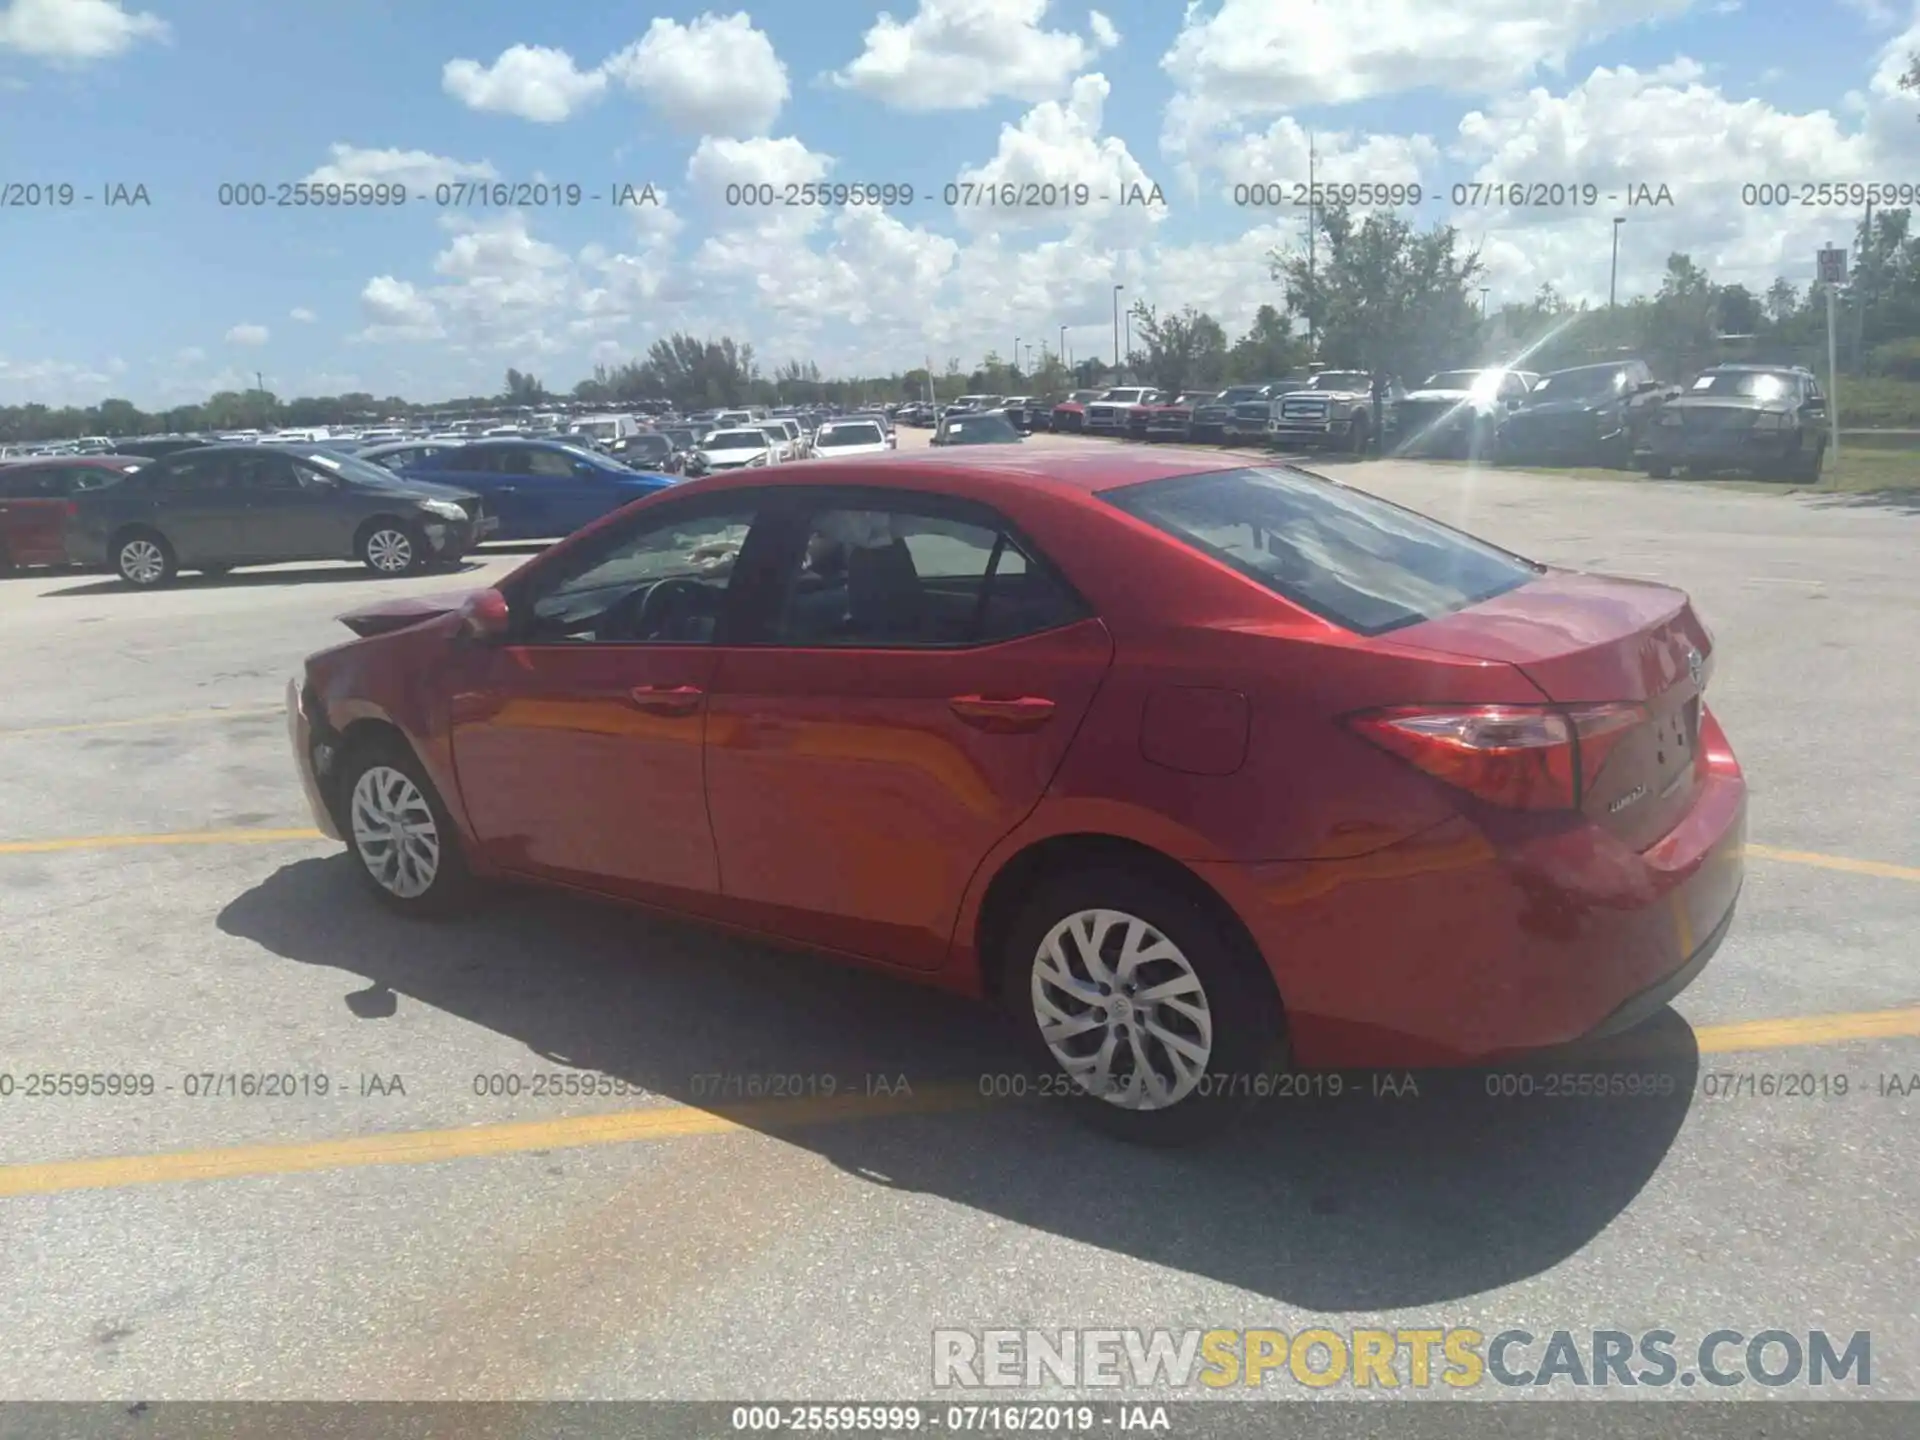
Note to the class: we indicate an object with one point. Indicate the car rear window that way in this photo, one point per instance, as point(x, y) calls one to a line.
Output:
point(1365, 564)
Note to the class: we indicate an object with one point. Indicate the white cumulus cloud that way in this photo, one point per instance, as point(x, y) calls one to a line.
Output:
point(1036, 176)
point(715, 76)
point(534, 82)
point(963, 54)
point(75, 30)
point(416, 169)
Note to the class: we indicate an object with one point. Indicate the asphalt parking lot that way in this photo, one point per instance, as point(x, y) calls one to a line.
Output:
point(419, 1232)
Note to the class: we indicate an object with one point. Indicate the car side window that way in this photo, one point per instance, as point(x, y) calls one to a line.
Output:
point(902, 577)
point(267, 474)
point(552, 464)
point(661, 579)
point(1512, 387)
point(23, 484)
point(193, 475)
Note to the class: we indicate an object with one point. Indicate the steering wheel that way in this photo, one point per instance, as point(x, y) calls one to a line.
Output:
point(662, 600)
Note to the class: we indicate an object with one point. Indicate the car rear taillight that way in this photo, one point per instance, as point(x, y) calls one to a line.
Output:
point(1524, 757)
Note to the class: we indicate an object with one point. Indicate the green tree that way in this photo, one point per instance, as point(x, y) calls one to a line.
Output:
point(523, 389)
point(1380, 295)
point(1178, 352)
point(1268, 351)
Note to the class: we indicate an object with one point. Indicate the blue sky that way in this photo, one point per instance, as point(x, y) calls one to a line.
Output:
point(164, 302)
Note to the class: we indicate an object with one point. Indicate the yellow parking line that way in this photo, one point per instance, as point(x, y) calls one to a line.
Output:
point(1808, 1030)
point(1836, 862)
point(657, 1123)
point(183, 717)
point(185, 837)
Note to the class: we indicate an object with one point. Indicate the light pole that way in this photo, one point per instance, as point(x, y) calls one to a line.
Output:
point(1064, 362)
point(1016, 355)
point(1116, 325)
point(1027, 369)
point(1483, 301)
point(1613, 273)
point(1128, 352)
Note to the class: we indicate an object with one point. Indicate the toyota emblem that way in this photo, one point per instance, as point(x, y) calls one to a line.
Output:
point(1696, 667)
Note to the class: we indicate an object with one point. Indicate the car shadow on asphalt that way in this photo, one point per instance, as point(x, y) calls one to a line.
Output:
point(1365, 1202)
point(261, 579)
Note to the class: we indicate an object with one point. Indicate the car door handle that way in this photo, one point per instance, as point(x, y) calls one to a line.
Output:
point(667, 699)
point(1002, 716)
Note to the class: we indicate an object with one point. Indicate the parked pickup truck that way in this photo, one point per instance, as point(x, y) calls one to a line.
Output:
point(1253, 417)
point(1332, 411)
point(1172, 419)
point(1209, 422)
point(1070, 415)
point(1113, 411)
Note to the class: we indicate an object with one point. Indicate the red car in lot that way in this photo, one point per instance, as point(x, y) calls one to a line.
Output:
point(1197, 767)
point(37, 500)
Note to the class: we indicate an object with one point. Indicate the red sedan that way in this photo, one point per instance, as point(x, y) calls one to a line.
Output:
point(1197, 768)
point(36, 501)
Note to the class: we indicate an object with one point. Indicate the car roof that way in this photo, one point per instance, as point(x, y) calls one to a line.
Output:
point(1071, 471)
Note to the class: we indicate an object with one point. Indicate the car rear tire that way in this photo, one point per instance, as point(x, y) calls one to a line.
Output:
point(143, 559)
point(1169, 1061)
point(398, 828)
point(393, 547)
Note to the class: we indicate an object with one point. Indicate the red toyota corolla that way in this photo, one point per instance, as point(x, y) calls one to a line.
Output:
point(1197, 767)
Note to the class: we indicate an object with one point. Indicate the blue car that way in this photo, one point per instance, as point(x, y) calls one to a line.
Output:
point(540, 489)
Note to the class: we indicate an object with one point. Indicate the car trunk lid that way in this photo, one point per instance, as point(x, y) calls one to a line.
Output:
point(1603, 641)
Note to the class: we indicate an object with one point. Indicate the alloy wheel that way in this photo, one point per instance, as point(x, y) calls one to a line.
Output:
point(394, 832)
point(390, 551)
point(1122, 1010)
point(142, 562)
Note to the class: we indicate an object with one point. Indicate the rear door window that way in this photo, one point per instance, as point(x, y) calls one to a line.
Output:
point(1361, 562)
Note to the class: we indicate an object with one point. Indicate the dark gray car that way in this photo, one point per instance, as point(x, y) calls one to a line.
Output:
point(220, 506)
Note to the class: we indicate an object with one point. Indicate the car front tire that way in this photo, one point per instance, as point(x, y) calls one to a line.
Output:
point(1149, 1010)
point(404, 842)
point(392, 547)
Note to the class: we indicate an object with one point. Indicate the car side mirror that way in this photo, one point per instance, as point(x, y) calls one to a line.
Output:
point(485, 617)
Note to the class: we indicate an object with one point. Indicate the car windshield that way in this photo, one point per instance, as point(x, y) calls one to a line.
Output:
point(348, 467)
point(1462, 380)
point(1365, 564)
point(737, 440)
point(832, 437)
point(1233, 395)
point(987, 429)
point(649, 445)
point(1341, 380)
point(1751, 384)
point(597, 429)
point(1577, 384)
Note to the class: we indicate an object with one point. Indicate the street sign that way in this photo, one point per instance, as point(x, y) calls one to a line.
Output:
point(1833, 266)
